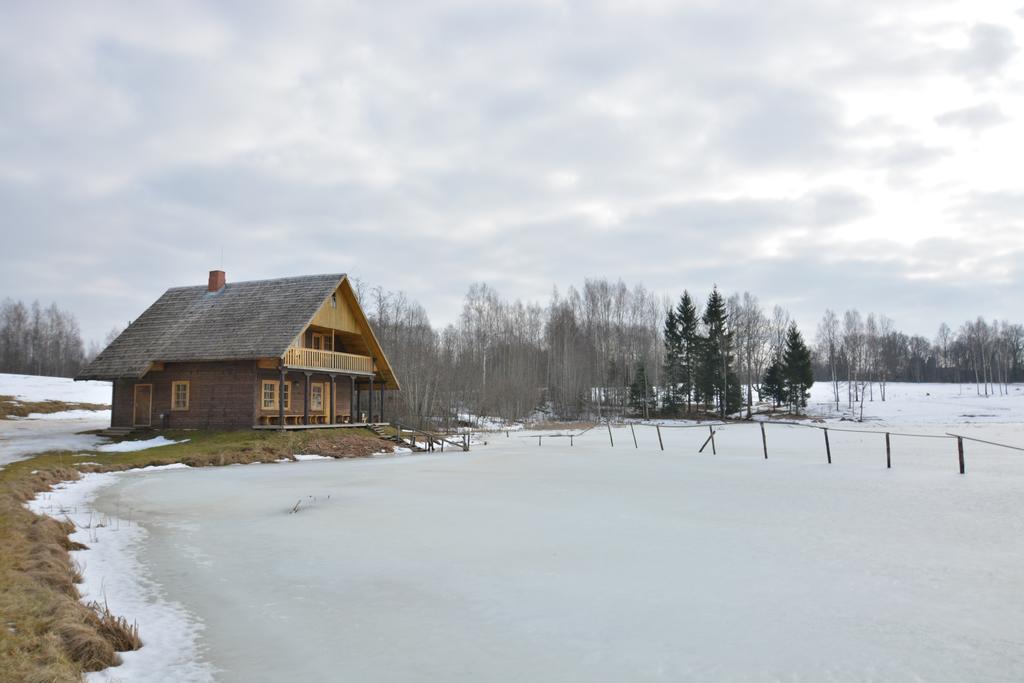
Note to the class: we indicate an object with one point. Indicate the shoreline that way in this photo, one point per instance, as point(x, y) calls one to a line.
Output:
point(114, 575)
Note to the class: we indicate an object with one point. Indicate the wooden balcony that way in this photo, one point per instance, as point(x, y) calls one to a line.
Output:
point(332, 361)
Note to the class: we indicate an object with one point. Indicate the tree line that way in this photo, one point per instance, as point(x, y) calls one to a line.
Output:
point(606, 349)
point(602, 350)
point(39, 341)
point(858, 354)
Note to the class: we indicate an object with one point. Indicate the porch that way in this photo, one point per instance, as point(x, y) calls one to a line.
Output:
point(310, 396)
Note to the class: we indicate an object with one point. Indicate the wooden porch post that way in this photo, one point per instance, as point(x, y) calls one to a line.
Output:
point(330, 418)
point(351, 399)
point(370, 399)
point(382, 402)
point(305, 402)
point(280, 401)
point(359, 400)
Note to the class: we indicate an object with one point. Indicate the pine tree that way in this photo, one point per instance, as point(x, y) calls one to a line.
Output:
point(797, 371)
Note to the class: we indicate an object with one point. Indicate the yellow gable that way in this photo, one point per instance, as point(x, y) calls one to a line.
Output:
point(336, 314)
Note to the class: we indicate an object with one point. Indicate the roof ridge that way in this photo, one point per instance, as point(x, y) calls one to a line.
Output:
point(261, 280)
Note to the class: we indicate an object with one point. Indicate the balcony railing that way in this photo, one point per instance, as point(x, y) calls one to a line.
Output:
point(328, 360)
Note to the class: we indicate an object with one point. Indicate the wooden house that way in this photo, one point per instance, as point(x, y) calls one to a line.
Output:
point(289, 353)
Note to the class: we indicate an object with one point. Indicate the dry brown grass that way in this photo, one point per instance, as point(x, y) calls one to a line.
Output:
point(553, 425)
point(116, 630)
point(47, 635)
point(11, 407)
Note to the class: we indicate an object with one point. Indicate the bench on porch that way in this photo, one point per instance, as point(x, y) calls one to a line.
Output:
point(298, 419)
point(275, 419)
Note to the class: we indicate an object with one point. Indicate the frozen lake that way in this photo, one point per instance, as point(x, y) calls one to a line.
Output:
point(517, 562)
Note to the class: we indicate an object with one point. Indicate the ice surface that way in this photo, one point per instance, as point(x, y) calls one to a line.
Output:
point(551, 563)
point(131, 446)
point(21, 438)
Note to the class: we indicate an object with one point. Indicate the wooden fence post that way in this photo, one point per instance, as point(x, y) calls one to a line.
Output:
point(570, 440)
point(960, 452)
point(538, 439)
point(709, 440)
point(610, 439)
point(888, 452)
point(764, 441)
point(658, 427)
point(828, 449)
point(634, 435)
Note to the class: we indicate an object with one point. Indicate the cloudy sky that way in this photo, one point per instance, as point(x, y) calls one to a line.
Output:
point(819, 153)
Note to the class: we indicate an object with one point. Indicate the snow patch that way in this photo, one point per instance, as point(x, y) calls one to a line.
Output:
point(132, 446)
point(310, 456)
point(154, 468)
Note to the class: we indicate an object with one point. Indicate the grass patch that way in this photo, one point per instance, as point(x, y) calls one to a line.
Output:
point(46, 633)
point(12, 407)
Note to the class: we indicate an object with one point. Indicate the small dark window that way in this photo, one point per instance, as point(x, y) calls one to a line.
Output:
point(334, 300)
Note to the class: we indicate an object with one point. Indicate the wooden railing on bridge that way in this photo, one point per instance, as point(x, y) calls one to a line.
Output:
point(328, 360)
point(432, 440)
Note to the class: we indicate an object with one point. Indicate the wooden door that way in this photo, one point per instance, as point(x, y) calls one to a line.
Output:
point(318, 399)
point(142, 410)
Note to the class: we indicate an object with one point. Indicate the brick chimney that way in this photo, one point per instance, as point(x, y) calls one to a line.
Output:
point(217, 280)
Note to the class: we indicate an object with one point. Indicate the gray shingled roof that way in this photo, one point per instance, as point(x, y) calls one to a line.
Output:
point(256, 319)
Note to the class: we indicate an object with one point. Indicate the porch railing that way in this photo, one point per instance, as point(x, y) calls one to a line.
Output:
point(328, 360)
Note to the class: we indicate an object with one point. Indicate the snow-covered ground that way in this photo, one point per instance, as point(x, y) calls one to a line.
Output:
point(55, 431)
point(33, 388)
point(907, 403)
point(552, 563)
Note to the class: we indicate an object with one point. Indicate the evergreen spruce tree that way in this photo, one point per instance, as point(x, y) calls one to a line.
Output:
point(717, 357)
point(673, 363)
point(797, 371)
point(641, 394)
point(734, 394)
point(772, 385)
point(690, 348)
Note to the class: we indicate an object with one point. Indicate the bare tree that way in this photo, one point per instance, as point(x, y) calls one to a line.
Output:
point(828, 348)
